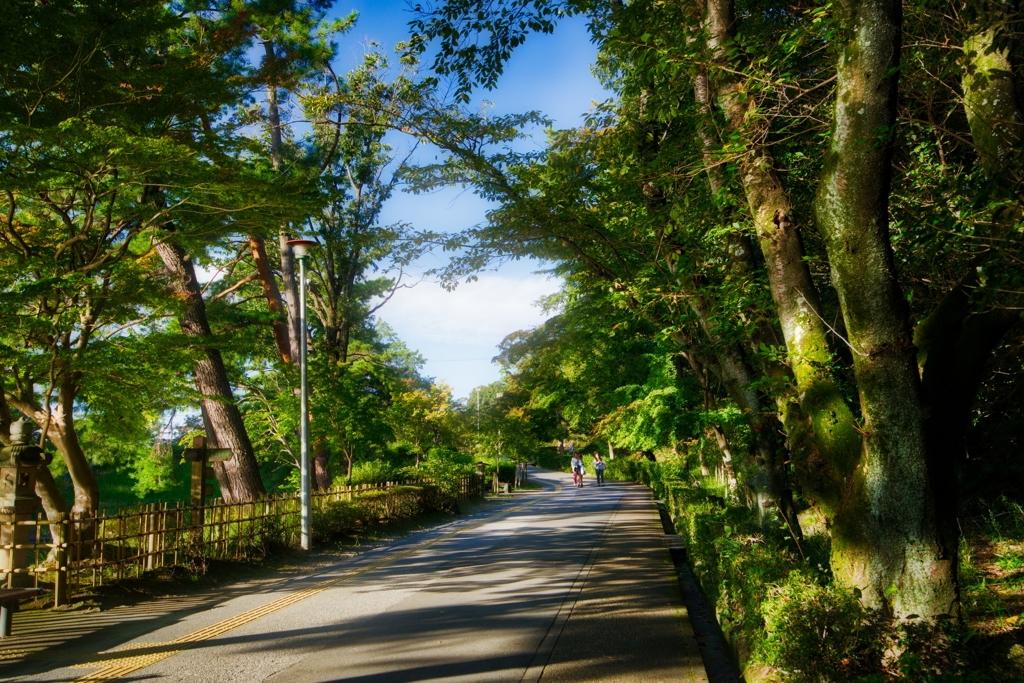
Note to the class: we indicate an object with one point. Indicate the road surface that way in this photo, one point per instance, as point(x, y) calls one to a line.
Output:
point(564, 584)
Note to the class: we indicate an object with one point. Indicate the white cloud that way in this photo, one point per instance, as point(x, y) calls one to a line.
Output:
point(481, 312)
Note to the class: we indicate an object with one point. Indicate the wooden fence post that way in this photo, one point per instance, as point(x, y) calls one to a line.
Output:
point(60, 580)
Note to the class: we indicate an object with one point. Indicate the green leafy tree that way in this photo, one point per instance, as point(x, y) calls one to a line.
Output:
point(691, 194)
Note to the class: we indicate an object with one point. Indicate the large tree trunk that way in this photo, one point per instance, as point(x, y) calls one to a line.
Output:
point(291, 290)
point(885, 541)
point(765, 470)
point(950, 380)
point(63, 436)
point(725, 449)
point(239, 476)
point(956, 341)
point(954, 349)
point(46, 488)
point(822, 434)
point(273, 108)
point(60, 426)
point(322, 467)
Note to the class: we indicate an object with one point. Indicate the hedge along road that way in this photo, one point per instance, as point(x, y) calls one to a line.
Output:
point(567, 585)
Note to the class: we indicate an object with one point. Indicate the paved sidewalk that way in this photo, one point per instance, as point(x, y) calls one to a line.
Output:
point(566, 585)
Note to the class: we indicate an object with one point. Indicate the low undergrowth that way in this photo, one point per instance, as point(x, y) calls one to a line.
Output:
point(789, 622)
point(341, 518)
point(992, 587)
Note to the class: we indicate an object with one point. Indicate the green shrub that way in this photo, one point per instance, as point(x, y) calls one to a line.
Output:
point(373, 472)
point(334, 519)
point(819, 634)
point(779, 610)
point(550, 459)
point(736, 561)
point(398, 502)
point(506, 472)
point(446, 468)
point(654, 474)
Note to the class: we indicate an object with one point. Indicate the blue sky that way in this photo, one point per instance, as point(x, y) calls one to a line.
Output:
point(458, 332)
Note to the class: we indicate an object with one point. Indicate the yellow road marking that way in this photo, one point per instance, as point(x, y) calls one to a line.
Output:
point(114, 669)
point(12, 654)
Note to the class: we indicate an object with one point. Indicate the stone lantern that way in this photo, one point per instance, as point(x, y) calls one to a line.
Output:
point(19, 463)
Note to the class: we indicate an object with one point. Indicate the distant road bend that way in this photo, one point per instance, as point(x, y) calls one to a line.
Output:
point(564, 584)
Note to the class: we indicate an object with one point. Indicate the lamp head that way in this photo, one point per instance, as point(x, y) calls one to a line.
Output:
point(302, 247)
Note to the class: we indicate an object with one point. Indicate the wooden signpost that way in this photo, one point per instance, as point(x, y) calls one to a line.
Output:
point(202, 474)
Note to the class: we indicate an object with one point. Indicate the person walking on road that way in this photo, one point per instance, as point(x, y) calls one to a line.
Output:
point(599, 467)
point(577, 470)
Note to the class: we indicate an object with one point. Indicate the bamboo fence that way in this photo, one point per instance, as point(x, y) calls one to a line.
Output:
point(76, 552)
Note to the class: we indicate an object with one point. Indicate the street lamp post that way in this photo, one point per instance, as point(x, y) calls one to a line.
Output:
point(497, 455)
point(301, 249)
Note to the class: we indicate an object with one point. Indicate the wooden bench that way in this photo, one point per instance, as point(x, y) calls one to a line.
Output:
point(9, 598)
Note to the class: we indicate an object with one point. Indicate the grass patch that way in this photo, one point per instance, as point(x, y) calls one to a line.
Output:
point(1010, 560)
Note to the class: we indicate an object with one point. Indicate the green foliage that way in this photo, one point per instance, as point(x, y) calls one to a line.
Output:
point(373, 472)
point(153, 472)
point(445, 467)
point(550, 459)
point(335, 519)
point(506, 25)
point(734, 558)
point(817, 634)
point(121, 484)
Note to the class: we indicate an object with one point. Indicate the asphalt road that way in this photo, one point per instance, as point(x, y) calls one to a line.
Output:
point(558, 585)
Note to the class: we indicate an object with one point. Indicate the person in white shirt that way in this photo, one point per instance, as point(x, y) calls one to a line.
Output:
point(577, 470)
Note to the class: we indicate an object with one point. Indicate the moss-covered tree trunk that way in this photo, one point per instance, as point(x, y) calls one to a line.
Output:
point(956, 341)
point(987, 80)
point(885, 541)
point(771, 453)
point(823, 440)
